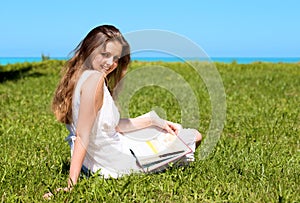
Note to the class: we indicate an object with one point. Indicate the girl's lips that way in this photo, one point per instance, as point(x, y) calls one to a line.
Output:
point(105, 67)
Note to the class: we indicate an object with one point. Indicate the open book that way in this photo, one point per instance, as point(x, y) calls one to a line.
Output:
point(153, 147)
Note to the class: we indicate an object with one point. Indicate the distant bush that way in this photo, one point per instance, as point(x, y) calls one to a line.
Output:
point(45, 58)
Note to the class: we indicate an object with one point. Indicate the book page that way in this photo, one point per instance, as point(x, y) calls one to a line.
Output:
point(154, 147)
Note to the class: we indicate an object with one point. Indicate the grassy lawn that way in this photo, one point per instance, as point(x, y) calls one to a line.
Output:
point(257, 158)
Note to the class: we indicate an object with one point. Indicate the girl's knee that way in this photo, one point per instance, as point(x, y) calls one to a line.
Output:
point(198, 137)
point(197, 134)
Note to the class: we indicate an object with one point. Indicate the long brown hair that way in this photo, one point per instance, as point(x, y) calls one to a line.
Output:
point(81, 60)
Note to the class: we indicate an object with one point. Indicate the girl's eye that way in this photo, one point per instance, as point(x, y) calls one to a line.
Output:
point(116, 58)
point(106, 54)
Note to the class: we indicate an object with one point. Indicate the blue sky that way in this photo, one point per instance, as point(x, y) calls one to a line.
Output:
point(255, 28)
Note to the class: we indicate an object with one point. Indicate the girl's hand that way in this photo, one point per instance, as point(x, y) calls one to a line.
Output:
point(48, 195)
point(171, 128)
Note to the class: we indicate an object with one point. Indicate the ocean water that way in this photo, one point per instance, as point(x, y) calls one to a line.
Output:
point(240, 60)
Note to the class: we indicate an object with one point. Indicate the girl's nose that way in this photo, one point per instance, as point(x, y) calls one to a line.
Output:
point(110, 60)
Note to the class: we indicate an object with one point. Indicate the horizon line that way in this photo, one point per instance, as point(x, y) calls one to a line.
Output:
point(163, 57)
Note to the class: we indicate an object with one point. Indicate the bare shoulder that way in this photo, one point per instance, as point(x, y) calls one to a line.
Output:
point(92, 88)
point(93, 82)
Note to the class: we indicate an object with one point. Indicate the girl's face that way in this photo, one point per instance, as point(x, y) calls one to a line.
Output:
point(106, 60)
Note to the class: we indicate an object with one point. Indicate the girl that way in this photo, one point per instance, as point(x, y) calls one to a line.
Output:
point(84, 103)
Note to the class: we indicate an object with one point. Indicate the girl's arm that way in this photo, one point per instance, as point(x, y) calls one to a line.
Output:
point(150, 119)
point(91, 100)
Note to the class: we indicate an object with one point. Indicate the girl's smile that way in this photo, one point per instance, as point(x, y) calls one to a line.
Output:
point(107, 60)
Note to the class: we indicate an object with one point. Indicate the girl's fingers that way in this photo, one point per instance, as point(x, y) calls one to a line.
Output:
point(48, 195)
point(173, 127)
point(58, 189)
point(170, 130)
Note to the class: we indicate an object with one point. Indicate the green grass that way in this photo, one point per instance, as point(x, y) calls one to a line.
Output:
point(257, 158)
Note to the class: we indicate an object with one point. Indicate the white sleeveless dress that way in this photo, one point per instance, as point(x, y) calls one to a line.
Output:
point(107, 151)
